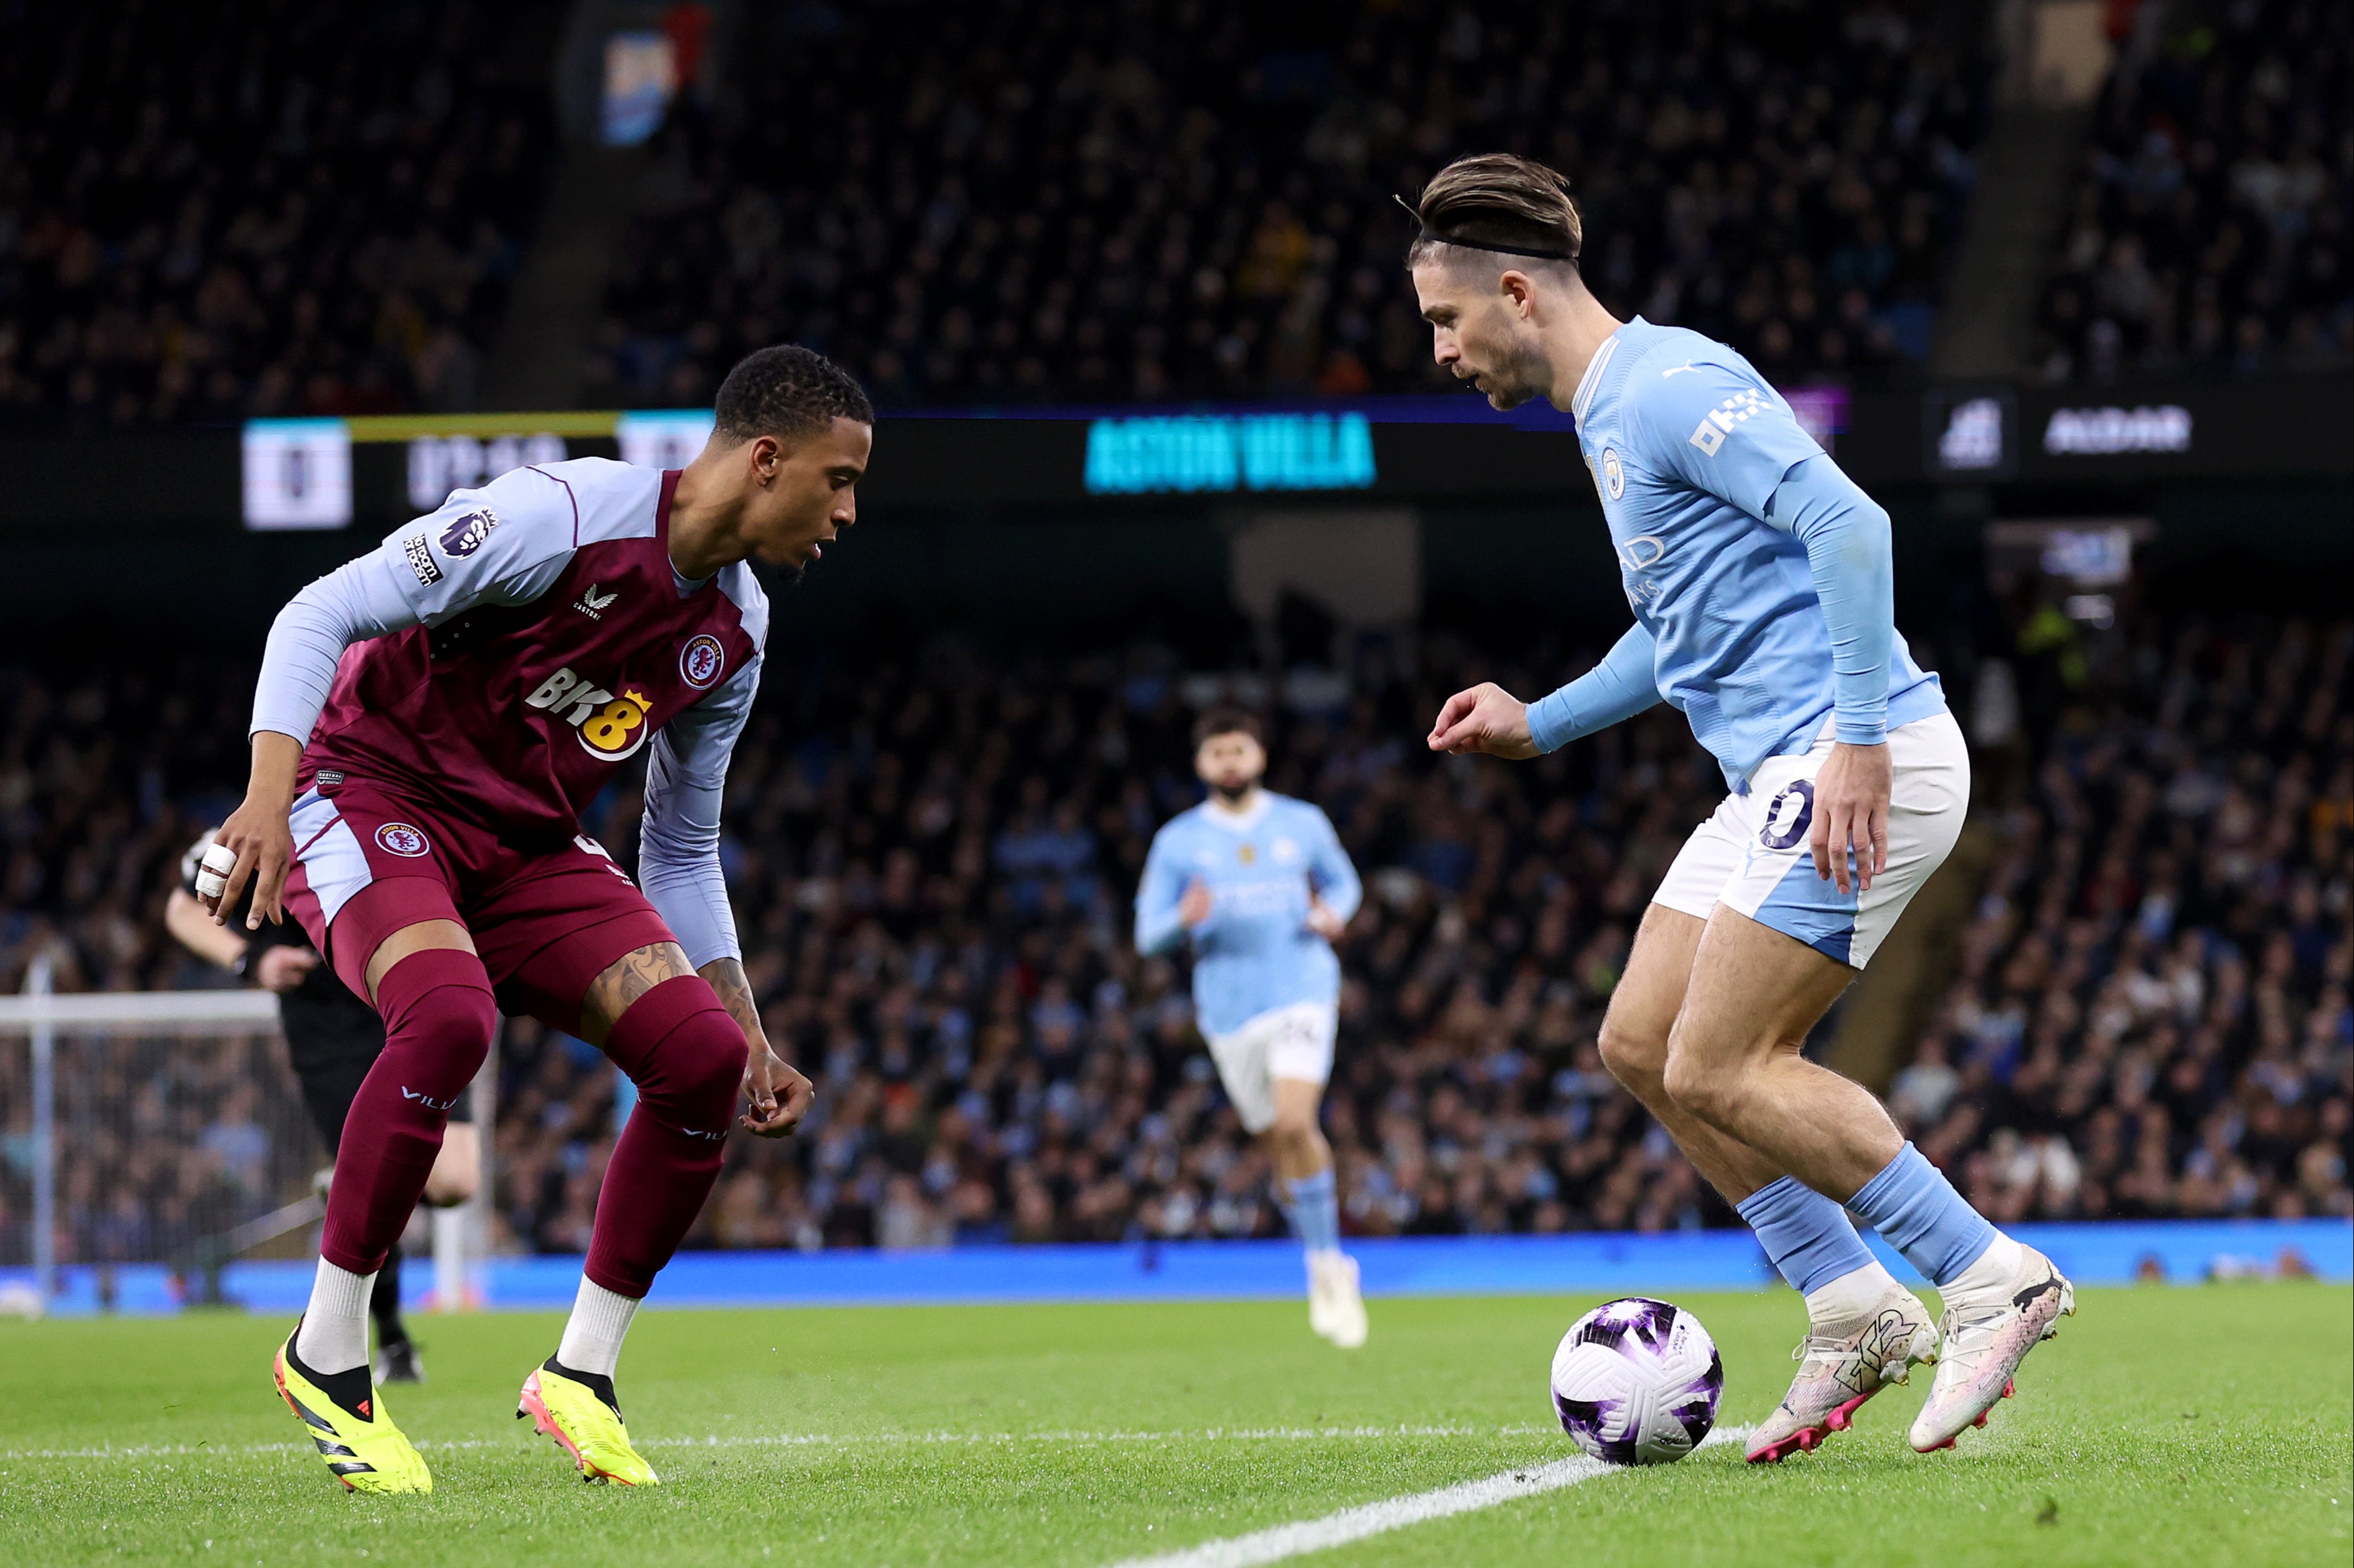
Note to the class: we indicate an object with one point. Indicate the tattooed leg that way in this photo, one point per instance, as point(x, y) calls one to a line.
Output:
point(624, 981)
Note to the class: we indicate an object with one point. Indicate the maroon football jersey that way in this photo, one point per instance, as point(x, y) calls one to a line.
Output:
point(556, 639)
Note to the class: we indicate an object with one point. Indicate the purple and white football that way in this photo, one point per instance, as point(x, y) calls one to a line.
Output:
point(1635, 1382)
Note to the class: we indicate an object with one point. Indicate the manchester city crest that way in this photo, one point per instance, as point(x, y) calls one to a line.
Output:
point(1613, 475)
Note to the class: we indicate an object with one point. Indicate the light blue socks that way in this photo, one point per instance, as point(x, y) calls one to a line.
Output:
point(1914, 1206)
point(1314, 1211)
point(1808, 1237)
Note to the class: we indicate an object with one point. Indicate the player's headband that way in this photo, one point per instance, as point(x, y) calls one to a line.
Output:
point(1429, 233)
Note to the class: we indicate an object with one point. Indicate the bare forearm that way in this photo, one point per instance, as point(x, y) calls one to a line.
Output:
point(194, 929)
point(727, 978)
point(275, 759)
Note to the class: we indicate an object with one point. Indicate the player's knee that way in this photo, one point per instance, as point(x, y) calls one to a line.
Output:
point(439, 1002)
point(690, 1063)
point(1635, 1057)
point(1697, 1085)
point(1293, 1131)
point(712, 1054)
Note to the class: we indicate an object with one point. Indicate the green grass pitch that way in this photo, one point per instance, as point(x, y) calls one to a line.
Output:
point(2172, 1426)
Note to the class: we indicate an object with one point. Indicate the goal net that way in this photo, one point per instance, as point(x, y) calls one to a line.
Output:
point(155, 1154)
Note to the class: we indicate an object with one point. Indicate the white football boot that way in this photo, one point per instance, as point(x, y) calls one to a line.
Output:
point(1840, 1365)
point(1336, 1308)
point(1988, 1328)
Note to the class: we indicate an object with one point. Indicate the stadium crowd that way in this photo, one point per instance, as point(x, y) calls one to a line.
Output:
point(2151, 1015)
point(932, 864)
point(1193, 197)
point(232, 208)
point(2208, 230)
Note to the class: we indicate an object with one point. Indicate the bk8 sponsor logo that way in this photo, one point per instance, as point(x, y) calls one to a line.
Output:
point(611, 726)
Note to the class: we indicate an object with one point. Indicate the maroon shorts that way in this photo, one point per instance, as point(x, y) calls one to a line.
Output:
point(546, 920)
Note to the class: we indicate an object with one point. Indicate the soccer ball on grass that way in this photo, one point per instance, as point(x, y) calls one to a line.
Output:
point(1635, 1382)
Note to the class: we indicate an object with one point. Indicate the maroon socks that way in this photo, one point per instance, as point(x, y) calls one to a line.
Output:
point(438, 1017)
point(688, 1056)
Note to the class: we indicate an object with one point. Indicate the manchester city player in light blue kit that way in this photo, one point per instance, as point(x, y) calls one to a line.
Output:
point(1259, 882)
point(1760, 580)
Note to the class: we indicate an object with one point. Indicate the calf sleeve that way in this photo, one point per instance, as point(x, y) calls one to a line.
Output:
point(438, 1017)
point(686, 1056)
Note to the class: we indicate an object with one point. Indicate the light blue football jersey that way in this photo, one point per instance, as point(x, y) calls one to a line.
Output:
point(1687, 443)
point(1254, 953)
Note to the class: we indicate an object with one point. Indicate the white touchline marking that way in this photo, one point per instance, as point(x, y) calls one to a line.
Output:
point(1392, 1513)
point(825, 1439)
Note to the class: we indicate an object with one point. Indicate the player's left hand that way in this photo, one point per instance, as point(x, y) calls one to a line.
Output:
point(1324, 921)
point(1485, 718)
point(1851, 812)
point(780, 1096)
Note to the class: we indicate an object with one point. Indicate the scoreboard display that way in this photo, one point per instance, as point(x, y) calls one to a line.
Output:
point(378, 472)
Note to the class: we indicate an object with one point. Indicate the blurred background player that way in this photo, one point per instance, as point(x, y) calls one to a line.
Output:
point(1260, 884)
point(1762, 592)
point(430, 721)
point(332, 1038)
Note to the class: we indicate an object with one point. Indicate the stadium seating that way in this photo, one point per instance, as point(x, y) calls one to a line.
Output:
point(932, 865)
point(2208, 230)
point(2151, 1014)
point(1090, 203)
point(215, 209)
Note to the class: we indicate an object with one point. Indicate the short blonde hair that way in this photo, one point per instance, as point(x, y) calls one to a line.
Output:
point(1498, 202)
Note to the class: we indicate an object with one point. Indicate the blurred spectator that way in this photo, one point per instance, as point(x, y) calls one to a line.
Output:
point(2208, 230)
point(1192, 198)
point(932, 860)
point(223, 207)
point(2151, 1015)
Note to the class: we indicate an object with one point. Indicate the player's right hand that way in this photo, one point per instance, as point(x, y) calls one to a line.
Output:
point(282, 969)
point(1485, 718)
point(264, 846)
point(1195, 906)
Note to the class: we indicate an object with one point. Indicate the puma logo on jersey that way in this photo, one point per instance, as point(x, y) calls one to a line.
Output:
point(611, 726)
point(592, 604)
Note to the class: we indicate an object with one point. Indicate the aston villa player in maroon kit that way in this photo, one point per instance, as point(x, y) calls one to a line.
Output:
point(432, 720)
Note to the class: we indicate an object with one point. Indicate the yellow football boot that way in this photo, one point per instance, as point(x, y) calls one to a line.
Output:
point(361, 1445)
point(585, 1424)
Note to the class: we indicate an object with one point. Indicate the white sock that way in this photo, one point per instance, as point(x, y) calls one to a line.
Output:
point(1993, 1271)
point(1849, 1297)
point(333, 1335)
point(593, 1334)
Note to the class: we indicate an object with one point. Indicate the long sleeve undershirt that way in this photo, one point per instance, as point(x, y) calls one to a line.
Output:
point(357, 601)
point(1846, 533)
point(1619, 687)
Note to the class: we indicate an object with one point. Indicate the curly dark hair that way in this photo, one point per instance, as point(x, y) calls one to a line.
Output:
point(788, 391)
point(1227, 719)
